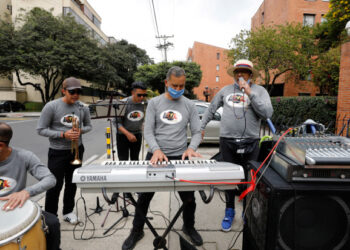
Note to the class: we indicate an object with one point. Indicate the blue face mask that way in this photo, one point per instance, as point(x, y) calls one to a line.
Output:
point(175, 93)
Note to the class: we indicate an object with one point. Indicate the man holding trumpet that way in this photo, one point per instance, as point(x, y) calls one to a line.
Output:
point(64, 120)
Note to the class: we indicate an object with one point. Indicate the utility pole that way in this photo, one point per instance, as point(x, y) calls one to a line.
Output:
point(165, 45)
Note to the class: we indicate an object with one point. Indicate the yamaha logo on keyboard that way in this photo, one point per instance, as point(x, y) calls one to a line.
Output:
point(93, 178)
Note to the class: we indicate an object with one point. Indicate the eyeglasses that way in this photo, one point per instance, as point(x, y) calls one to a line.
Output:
point(139, 95)
point(74, 91)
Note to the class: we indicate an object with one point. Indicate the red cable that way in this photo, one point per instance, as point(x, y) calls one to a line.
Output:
point(253, 173)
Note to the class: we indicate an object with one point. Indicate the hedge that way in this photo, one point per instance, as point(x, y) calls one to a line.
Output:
point(34, 106)
point(292, 111)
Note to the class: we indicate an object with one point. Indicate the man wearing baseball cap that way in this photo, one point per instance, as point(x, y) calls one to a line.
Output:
point(244, 105)
point(56, 122)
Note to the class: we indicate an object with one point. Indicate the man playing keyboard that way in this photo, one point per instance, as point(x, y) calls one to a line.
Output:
point(165, 132)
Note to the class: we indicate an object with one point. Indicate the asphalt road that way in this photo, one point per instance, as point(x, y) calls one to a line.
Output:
point(25, 136)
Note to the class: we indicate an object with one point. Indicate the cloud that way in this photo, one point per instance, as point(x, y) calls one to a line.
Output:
point(213, 22)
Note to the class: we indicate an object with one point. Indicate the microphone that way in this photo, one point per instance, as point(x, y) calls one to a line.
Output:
point(240, 80)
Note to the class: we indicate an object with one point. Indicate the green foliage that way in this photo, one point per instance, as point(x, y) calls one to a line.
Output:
point(55, 48)
point(151, 93)
point(120, 61)
point(332, 32)
point(275, 50)
point(325, 71)
point(155, 74)
point(290, 111)
point(34, 106)
point(7, 46)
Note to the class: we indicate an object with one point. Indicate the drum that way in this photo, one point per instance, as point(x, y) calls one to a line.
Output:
point(22, 228)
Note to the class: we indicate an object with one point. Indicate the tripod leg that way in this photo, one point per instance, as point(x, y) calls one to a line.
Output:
point(104, 220)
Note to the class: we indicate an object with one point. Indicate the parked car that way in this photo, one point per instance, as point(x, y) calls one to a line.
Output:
point(212, 130)
point(8, 106)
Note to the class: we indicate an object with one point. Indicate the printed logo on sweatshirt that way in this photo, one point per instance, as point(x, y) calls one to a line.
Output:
point(67, 120)
point(237, 100)
point(6, 185)
point(171, 117)
point(135, 115)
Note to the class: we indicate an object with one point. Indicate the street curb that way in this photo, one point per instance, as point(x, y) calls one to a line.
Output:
point(20, 115)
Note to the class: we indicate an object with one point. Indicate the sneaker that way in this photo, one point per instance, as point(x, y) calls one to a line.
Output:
point(71, 218)
point(133, 238)
point(194, 235)
point(227, 221)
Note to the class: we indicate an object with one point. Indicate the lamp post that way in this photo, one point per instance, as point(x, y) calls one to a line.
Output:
point(206, 93)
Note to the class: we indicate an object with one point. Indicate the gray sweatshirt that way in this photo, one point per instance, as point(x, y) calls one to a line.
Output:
point(166, 125)
point(16, 167)
point(56, 117)
point(133, 118)
point(242, 114)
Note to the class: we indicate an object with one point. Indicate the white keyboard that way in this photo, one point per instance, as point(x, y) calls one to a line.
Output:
point(141, 176)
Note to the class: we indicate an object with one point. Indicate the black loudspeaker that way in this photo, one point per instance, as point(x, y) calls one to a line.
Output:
point(296, 216)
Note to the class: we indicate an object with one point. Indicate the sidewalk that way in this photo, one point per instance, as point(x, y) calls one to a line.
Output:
point(208, 222)
point(20, 114)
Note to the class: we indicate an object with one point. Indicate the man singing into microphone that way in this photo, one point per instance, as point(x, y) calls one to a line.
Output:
point(244, 105)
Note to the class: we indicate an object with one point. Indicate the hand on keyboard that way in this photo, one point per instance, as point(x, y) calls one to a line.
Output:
point(158, 156)
point(190, 153)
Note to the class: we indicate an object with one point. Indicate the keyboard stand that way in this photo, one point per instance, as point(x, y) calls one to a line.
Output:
point(159, 241)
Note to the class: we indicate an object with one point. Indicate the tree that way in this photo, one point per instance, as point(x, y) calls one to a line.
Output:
point(325, 71)
point(276, 50)
point(155, 74)
point(7, 47)
point(120, 61)
point(54, 48)
point(332, 32)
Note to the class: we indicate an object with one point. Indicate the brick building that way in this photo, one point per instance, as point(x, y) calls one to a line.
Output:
point(276, 12)
point(343, 109)
point(214, 63)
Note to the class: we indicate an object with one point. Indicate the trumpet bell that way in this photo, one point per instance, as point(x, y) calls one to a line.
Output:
point(76, 162)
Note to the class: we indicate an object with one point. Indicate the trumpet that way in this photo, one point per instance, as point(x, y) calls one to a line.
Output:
point(75, 143)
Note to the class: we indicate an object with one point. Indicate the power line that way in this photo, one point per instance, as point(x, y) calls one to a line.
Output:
point(163, 47)
point(155, 17)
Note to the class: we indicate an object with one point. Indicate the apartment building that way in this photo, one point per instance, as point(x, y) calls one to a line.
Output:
point(214, 63)
point(276, 12)
point(83, 13)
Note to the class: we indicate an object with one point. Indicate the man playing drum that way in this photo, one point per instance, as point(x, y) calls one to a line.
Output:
point(14, 165)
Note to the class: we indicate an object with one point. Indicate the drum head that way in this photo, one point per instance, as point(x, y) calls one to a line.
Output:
point(6, 185)
point(18, 221)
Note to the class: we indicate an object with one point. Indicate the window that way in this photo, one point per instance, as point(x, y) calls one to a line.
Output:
point(217, 79)
point(9, 7)
point(323, 19)
point(217, 67)
point(262, 17)
point(218, 56)
point(309, 20)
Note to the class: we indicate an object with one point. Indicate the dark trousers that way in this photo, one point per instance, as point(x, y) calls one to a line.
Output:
point(53, 236)
point(126, 148)
point(231, 152)
point(60, 167)
point(144, 200)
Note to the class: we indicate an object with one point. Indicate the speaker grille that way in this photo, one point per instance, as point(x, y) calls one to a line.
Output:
point(304, 219)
